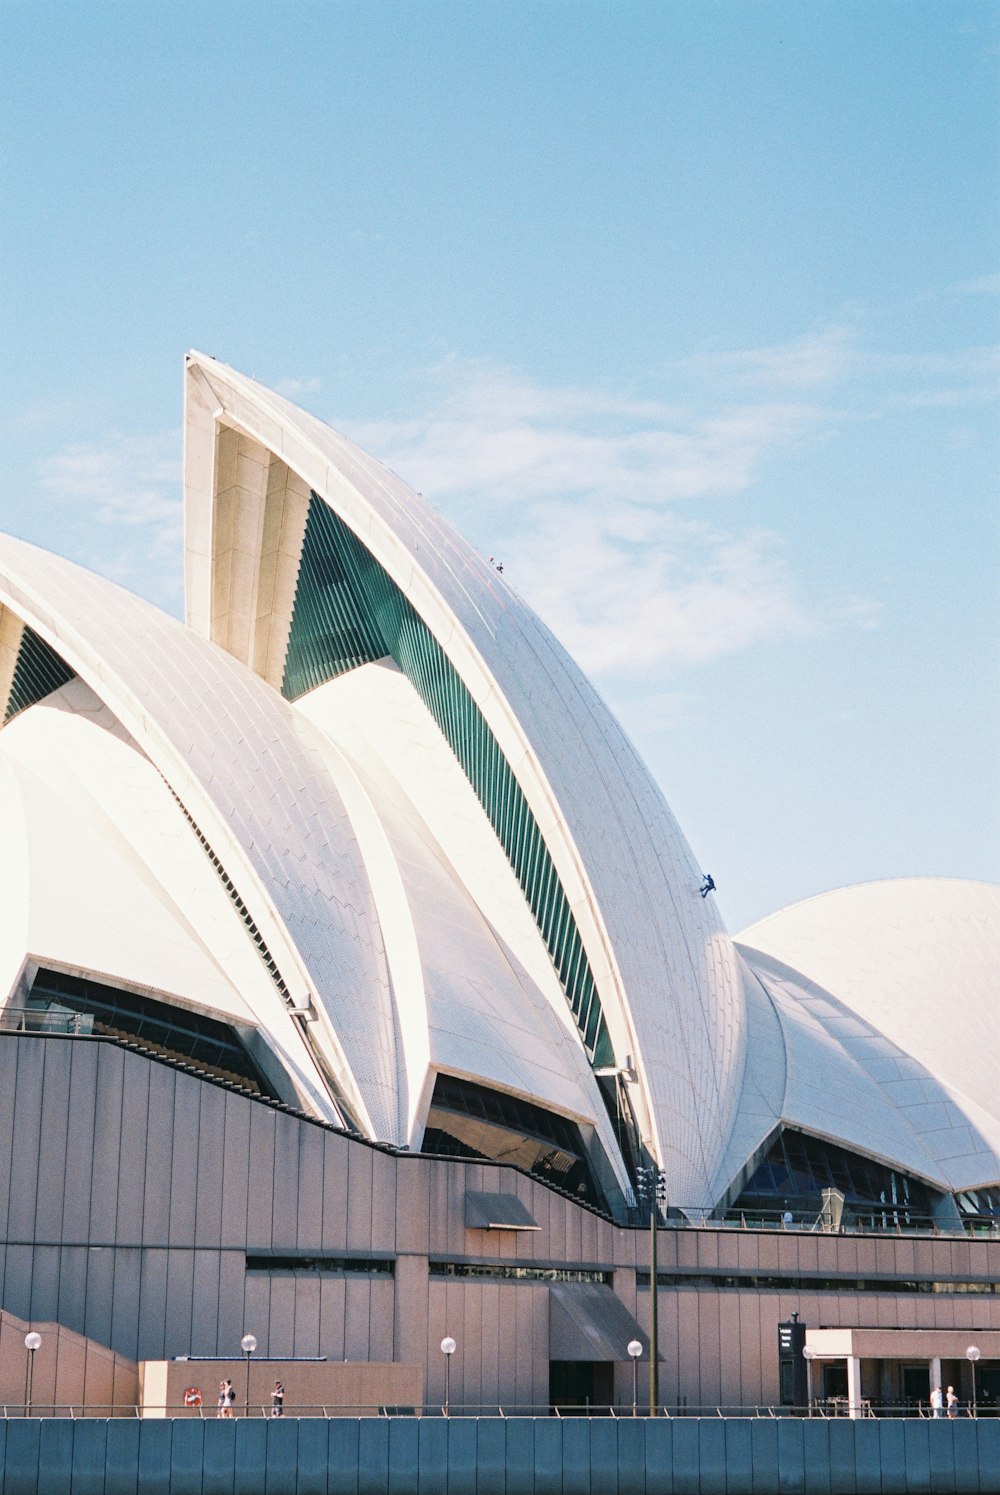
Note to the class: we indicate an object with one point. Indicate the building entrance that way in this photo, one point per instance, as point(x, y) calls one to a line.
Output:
point(579, 1387)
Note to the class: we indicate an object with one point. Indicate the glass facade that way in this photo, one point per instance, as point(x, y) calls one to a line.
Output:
point(176, 1032)
point(348, 612)
point(37, 673)
point(472, 1121)
point(798, 1168)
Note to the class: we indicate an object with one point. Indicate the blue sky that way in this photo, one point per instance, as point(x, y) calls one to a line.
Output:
point(688, 311)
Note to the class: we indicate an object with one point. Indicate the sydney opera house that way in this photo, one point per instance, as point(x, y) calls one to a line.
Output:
point(357, 980)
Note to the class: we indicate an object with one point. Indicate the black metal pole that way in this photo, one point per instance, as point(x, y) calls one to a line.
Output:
point(635, 1386)
point(29, 1376)
point(654, 1312)
point(247, 1410)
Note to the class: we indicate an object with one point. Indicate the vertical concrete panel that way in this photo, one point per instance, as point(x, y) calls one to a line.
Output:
point(309, 1222)
point(235, 1172)
point(507, 1344)
point(159, 1139)
point(410, 1289)
point(383, 1201)
point(731, 1359)
point(52, 1140)
point(260, 1201)
point(185, 1161)
point(357, 1318)
point(710, 1378)
point(152, 1305)
point(44, 1283)
point(17, 1280)
point(382, 1301)
point(232, 1278)
point(125, 1300)
point(180, 1291)
point(256, 1311)
point(100, 1294)
point(205, 1303)
point(106, 1172)
point(359, 1199)
point(411, 1200)
point(10, 1048)
point(689, 1354)
point(284, 1227)
point(306, 1330)
point(208, 1195)
point(333, 1317)
point(279, 1332)
point(495, 1329)
point(26, 1141)
point(132, 1158)
point(335, 1168)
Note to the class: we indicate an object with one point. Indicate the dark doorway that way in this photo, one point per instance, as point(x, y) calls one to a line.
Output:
point(988, 1388)
point(916, 1385)
point(835, 1380)
point(579, 1387)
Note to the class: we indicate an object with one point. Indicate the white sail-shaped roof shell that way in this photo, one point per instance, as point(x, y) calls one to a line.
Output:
point(665, 969)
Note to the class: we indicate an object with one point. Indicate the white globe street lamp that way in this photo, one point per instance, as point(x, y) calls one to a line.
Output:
point(248, 1344)
point(32, 1342)
point(448, 1348)
point(972, 1355)
point(635, 1350)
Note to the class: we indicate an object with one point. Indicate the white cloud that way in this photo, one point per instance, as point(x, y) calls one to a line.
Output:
point(592, 494)
point(292, 388)
point(130, 488)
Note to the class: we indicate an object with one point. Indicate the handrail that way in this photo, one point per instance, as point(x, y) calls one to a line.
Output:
point(830, 1408)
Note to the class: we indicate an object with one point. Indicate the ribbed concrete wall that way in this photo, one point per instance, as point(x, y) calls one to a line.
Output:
point(131, 1193)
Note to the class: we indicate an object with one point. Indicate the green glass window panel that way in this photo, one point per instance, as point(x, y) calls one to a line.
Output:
point(349, 612)
point(37, 673)
point(331, 631)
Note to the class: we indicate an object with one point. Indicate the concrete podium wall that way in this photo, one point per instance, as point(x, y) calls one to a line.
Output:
point(131, 1193)
point(516, 1456)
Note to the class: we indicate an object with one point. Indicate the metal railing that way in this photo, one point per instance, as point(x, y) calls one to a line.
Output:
point(830, 1408)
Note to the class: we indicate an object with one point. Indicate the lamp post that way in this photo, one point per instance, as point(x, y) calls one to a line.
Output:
point(653, 1189)
point(809, 1355)
point(972, 1355)
point(248, 1344)
point(635, 1350)
point(32, 1342)
point(448, 1348)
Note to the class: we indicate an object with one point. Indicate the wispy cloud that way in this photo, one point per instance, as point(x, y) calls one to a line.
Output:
point(592, 493)
point(982, 285)
point(293, 388)
point(130, 488)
